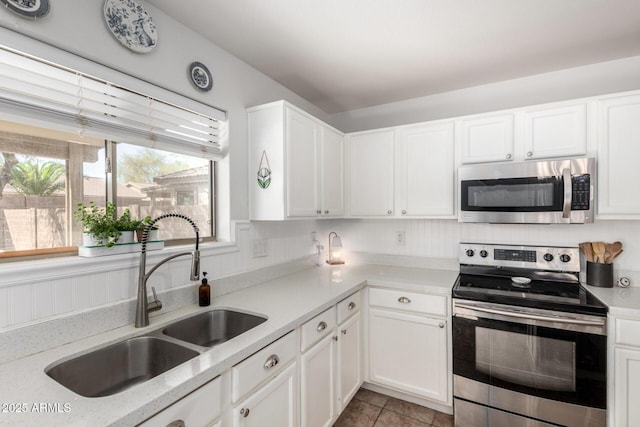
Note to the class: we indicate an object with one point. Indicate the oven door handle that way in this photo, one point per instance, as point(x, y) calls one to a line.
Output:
point(509, 313)
point(566, 204)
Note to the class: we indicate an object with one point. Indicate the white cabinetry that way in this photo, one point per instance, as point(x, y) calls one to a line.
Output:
point(618, 153)
point(371, 173)
point(265, 386)
point(544, 131)
point(330, 365)
point(415, 360)
point(407, 171)
point(624, 381)
point(306, 160)
point(425, 172)
point(198, 409)
point(487, 138)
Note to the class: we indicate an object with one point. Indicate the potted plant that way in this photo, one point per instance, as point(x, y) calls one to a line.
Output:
point(142, 224)
point(127, 226)
point(100, 224)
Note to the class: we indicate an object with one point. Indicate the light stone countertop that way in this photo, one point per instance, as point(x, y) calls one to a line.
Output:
point(287, 301)
point(621, 301)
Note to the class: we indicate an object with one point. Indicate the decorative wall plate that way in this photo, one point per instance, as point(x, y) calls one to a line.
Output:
point(200, 76)
point(28, 8)
point(131, 24)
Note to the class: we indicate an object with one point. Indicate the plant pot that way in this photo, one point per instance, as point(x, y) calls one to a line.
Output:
point(153, 235)
point(89, 240)
point(126, 237)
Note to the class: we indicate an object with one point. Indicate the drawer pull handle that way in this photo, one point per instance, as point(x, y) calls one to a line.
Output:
point(404, 300)
point(176, 423)
point(321, 326)
point(352, 305)
point(344, 332)
point(244, 412)
point(272, 361)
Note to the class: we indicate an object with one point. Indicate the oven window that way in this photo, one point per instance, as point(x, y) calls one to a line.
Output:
point(538, 362)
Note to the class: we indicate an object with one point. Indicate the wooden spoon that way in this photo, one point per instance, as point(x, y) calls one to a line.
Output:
point(616, 249)
point(599, 249)
point(587, 250)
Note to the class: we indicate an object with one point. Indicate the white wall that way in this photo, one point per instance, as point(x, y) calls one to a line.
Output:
point(597, 79)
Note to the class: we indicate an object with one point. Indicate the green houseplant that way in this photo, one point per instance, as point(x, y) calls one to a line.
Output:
point(142, 224)
point(100, 223)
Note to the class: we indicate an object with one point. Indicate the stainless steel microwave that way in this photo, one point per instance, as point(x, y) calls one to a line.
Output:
point(542, 192)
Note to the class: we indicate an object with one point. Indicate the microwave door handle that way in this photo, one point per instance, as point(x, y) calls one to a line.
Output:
point(566, 204)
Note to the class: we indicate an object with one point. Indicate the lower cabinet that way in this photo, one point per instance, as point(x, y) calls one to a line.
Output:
point(625, 387)
point(408, 343)
point(331, 363)
point(198, 409)
point(274, 404)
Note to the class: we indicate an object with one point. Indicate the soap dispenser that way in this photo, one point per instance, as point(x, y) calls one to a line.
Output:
point(204, 292)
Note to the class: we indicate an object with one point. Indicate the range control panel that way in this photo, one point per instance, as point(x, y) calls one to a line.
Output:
point(551, 258)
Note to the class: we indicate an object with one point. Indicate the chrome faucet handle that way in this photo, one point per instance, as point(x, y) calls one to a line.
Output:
point(155, 304)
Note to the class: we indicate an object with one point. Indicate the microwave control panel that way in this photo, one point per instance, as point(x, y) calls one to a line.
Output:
point(580, 192)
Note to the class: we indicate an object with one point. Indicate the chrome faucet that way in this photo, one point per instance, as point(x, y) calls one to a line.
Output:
point(143, 306)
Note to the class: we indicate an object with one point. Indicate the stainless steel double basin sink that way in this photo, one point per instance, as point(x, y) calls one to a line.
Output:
point(115, 368)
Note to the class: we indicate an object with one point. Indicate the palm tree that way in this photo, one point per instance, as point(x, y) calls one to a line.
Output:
point(35, 179)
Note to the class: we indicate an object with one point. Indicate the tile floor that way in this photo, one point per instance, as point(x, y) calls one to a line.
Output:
point(370, 409)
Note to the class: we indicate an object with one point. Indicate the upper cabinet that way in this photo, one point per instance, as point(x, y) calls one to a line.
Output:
point(296, 164)
point(618, 153)
point(371, 173)
point(487, 138)
point(547, 131)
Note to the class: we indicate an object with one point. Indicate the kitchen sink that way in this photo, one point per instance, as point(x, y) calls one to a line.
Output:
point(115, 368)
point(213, 327)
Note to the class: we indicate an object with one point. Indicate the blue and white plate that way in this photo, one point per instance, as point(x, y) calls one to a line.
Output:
point(200, 76)
point(28, 8)
point(131, 24)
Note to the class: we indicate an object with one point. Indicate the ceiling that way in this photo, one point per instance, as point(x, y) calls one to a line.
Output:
point(343, 55)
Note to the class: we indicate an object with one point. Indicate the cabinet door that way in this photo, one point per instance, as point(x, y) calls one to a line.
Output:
point(627, 387)
point(301, 135)
point(371, 173)
point(413, 360)
point(618, 153)
point(274, 405)
point(555, 132)
point(349, 360)
point(317, 383)
point(426, 171)
point(332, 173)
point(487, 139)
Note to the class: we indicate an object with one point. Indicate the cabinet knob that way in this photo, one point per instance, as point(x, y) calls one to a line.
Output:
point(441, 324)
point(509, 156)
point(404, 211)
point(321, 326)
point(319, 211)
point(335, 338)
point(404, 300)
point(272, 361)
point(176, 423)
point(326, 211)
point(351, 305)
point(244, 412)
point(389, 212)
point(529, 154)
point(344, 332)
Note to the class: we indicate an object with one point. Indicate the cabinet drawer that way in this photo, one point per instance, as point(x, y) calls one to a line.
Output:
point(264, 364)
point(628, 332)
point(349, 306)
point(408, 301)
point(198, 408)
point(317, 328)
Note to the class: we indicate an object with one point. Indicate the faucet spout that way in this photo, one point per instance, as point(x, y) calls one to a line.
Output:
point(143, 306)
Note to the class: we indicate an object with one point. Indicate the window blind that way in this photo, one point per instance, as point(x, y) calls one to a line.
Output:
point(44, 94)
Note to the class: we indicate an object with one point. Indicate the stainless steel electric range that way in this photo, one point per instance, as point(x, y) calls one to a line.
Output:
point(529, 342)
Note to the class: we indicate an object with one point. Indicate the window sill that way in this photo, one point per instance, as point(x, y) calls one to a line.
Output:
point(54, 268)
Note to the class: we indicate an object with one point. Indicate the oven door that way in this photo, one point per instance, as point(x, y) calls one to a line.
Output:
point(540, 364)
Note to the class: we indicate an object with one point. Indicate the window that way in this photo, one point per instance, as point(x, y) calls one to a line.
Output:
point(67, 138)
